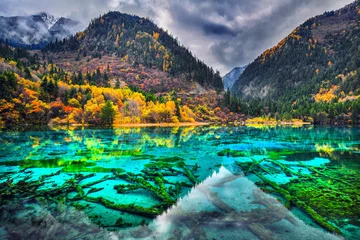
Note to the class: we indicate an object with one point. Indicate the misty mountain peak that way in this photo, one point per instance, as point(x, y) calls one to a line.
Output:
point(230, 78)
point(50, 20)
point(36, 30)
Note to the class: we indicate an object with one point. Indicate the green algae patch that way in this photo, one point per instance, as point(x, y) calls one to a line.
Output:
point(142, 157)
point(232, 153)
point(131, 152)
point(273, 154)
point(302, 156)
point(67, 166)
point(73, 191)
point(108, 152)
point(130, 208)
point(326, 191)
point(298, 193)
point(335, 199)
point(97, 169)
point(279, 154)
point(169, 159)
point(49, 163)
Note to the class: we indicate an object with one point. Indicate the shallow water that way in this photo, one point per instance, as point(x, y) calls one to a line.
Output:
point(180, 183)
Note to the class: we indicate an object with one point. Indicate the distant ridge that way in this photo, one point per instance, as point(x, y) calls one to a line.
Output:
point(35, 31)
point(230, 78)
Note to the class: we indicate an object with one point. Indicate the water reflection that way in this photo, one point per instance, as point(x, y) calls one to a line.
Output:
point(122, 178)
point(227, 206)
point(224, 206)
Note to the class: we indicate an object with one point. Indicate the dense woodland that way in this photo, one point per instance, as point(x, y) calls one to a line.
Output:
point(34, 91)
point(138, 41)
point(37, 93)
point(313, 74)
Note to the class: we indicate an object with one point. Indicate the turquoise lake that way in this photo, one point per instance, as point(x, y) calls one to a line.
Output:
point(180, 183)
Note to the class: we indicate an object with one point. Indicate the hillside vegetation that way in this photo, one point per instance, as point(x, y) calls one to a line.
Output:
point(312, 74)
point(131, 41)
point(36, 92)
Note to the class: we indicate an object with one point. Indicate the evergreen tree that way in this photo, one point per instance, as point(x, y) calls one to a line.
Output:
point(8, 84)
point(106, 81)
point(355, 112)
point(108, 113)
point(117, 83)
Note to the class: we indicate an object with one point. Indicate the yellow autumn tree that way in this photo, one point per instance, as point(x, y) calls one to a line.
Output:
point(156, 35)
point(187, 114)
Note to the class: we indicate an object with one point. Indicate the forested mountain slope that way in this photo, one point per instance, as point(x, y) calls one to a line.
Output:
point(317, 51)
point(122, 43)
point(315, 70)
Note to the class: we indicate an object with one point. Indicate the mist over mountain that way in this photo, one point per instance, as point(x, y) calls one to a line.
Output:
point(35, 31)
point(312, 74)
point(322, 49)
point(230, 78)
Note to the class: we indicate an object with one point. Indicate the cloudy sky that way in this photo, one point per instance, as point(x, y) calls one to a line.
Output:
point(223, 33)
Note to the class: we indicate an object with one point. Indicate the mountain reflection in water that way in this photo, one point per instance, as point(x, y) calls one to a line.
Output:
point(224, 206)
point(138, 183)
point(228, 206)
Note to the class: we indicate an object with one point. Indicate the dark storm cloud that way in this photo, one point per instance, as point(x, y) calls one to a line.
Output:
point(218, 29)
point(250, 27)
point(223, 33)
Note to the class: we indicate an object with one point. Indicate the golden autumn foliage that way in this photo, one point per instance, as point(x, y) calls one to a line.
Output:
point(186, 114)
point(27, 103)
point(80, 35)
point(12, 63)
point(326, 95)
point(269, 53)
point(156, 35)
point(166, 62)
point(116, 43)
point(85, 104)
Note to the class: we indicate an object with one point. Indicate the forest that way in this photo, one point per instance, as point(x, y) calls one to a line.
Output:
point(34, 91)
point(313, 74)
point(44, 94)
point(125, 69)
point(137, 41)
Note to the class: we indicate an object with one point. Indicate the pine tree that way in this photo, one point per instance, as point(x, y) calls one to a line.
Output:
point(108, 113)
point(117, 83)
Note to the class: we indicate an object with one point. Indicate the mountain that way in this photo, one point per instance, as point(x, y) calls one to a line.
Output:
point(230, 78)
point(318, 56)
point(135, 50)
point(37, 30)
point(49, 20)
point(121, 70)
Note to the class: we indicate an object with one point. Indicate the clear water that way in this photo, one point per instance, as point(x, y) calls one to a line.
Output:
point(180, 183)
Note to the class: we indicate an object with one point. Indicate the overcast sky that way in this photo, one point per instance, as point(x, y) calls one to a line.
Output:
point(222, 33)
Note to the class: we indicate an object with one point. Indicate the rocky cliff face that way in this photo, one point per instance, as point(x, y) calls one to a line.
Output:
point(230, 78)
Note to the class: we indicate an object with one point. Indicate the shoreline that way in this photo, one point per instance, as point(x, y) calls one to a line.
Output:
point(125, 125)
point(195, 124)
point(183, 124)
point(281, 123)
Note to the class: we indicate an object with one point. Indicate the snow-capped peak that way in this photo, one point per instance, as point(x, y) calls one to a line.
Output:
point(49, 20)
